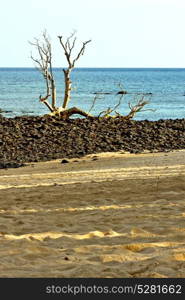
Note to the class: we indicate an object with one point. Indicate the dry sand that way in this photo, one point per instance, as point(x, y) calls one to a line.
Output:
point(105, 215)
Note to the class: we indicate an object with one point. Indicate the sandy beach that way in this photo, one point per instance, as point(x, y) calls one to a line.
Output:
point(104, 215)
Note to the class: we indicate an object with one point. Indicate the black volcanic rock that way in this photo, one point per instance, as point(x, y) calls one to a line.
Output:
point(30, 139)
point(6, 165)
point(122, 92)
point(64, 161)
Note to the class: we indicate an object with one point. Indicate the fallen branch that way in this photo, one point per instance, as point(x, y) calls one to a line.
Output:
point(67, 113)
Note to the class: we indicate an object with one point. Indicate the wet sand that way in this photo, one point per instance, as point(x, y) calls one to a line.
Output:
point(105, 215)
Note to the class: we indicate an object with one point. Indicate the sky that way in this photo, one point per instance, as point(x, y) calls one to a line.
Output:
point(124, 33)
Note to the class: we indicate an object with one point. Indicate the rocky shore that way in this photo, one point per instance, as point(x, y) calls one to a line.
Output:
point(32, 139)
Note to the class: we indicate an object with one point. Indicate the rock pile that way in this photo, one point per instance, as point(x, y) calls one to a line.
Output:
point(32, 139)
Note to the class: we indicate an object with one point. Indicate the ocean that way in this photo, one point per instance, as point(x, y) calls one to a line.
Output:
point(163, 88)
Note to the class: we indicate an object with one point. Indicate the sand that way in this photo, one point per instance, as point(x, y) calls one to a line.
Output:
point(107, 215)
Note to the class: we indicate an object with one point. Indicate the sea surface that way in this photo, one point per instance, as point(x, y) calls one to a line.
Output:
point(163, 88)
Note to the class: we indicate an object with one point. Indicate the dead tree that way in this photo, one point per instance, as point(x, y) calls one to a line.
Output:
point(44, 64)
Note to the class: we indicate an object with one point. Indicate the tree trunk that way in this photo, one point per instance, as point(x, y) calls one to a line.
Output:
point(53, 95)
point(67, 113)
point(67, 87)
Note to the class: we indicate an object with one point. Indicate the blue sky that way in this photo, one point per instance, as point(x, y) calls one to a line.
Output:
point(124, 33)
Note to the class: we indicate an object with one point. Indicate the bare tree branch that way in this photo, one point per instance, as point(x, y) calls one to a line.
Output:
point(44, 64)
point(137, 108)
point(81, 52)
point(93, 103)
point(106, 113)
point(68, 47)
point(118, 104)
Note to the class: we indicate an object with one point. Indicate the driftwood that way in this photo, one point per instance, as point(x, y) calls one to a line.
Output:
point(67, 113)
point(44, 64)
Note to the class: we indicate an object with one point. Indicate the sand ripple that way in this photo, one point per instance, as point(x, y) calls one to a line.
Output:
point(115, 224)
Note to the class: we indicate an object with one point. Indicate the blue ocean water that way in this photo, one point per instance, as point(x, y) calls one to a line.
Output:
point(20, 89)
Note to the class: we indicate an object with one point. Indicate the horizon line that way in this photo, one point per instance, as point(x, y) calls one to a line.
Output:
point(98, 67)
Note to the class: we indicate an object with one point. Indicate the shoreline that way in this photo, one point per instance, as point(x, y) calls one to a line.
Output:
point(105, 166)
point(104, 215)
